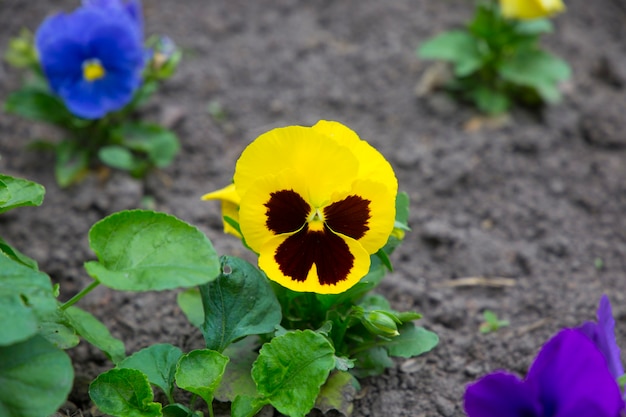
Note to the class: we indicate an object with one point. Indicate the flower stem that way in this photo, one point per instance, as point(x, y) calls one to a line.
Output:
point(80, 295)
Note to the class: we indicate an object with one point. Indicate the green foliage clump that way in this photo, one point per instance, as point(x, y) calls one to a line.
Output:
point(497, 61)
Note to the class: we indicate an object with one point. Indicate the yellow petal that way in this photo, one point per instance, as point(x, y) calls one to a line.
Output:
point(253, 209)
point(382, 212)
point(326, 164)
point(359, 268)
point(372, 164)
point(530, 9)
point(230, 205)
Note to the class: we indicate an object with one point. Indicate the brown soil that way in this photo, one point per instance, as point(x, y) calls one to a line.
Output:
point(538, 198)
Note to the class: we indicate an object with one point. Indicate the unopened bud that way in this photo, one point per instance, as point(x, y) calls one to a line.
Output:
point(381, 323)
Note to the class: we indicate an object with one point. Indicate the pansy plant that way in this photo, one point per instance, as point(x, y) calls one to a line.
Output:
point(321, 209)
point(90, 69)
point(496, 59)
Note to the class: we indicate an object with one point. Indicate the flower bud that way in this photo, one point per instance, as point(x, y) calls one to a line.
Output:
point(381, 323)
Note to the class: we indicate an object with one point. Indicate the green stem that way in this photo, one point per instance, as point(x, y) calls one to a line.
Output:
point(80, 295)
point(211, 408)
point(363, 348)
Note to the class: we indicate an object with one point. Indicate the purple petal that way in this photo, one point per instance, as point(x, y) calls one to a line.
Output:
point(572, 379)
point(498, 395)
point(602, 334)
point(607, 343)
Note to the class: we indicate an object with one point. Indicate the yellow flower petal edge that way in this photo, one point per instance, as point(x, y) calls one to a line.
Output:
point(359, 266)
point(530, 9)
point(230, 205)
point(372, 163)
point(315, 204)
point(298, 148)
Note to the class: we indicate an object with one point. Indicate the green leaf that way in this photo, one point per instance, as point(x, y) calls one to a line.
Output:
point(118, 157)
point(240, 302)
point(190, 302)
point(124, 393)
point(237, 379)
point(456, 46)
point(246, 406)
point(402, 211)
point(26, 295)
point(38, 105)
point(338, 393)
point(55, 329)
point(5, 195)
point(178, 410)
point(489, 100)
point(159, 144)
point(291, 369)
point(17, 256)
point(538, 70)
point(200, 372)
point(374, 302)
point(412, 341)
point(141, 250)
point(72, 163)
point(17, 192)
point(95, 332)
point(372, 362)
point(534, 26)
point(158, 363)
point(35, 377)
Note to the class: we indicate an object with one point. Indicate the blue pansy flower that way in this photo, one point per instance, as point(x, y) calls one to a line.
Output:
point(569, 378)
point(602, 334)
point(94, 56)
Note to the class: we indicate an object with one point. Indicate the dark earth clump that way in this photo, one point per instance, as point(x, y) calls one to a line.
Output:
point(538, 197)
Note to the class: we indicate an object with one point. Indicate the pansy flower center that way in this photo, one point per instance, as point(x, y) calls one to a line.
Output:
point(315, 235)
point(93, 70)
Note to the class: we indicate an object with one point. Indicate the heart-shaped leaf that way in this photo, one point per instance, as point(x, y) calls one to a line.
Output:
point(158, 363)
point(200, 372)
point(141, 250)
point(240, 302)
point(124, 393)
point(291, 369)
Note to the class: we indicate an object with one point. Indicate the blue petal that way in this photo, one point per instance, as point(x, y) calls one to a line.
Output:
point(117, 48)
point(131, 8)
point(85, 100)
point(500, 395)
point(61, 61)
point(572, 379)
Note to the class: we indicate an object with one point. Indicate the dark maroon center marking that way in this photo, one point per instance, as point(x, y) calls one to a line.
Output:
point(286, 211)
point(330, 254)
point(349, 216)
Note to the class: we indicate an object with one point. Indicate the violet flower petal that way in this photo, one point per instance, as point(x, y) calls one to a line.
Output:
point(501, 394)
point(571, 378)
point(602, 334)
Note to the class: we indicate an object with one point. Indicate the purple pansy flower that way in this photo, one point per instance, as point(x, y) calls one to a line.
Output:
point(569, 378)
point(603, 335)
point(93, 57)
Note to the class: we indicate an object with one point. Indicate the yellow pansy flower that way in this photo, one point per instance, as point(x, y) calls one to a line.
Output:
point(230, 206)
point(530, 9)
point(316, 202)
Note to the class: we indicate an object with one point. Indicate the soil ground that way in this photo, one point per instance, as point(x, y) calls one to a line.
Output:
point(538, 197)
